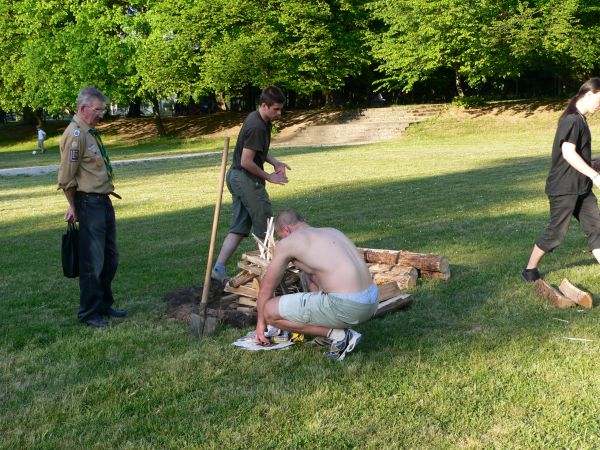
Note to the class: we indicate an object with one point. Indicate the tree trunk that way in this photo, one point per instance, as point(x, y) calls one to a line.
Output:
point(135, 108)
point(459, 85)
point(221, 103)
point(157, 119)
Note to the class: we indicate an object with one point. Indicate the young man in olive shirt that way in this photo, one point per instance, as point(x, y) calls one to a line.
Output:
point(246, 177)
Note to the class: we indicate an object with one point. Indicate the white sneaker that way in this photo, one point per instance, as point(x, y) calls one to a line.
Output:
point(339, 349)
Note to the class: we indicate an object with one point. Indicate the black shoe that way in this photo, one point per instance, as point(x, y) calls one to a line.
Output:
point(115, 313)
point(531, 275)
point(96, 322)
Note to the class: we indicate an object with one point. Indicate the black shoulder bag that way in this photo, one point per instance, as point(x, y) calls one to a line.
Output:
point(70, 251)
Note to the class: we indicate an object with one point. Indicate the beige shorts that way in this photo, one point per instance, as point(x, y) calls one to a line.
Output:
point(323, 309)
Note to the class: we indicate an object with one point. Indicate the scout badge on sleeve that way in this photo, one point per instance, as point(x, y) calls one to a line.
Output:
point(74, 150)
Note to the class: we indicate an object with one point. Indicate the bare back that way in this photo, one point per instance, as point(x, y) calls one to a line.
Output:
point(329, 257)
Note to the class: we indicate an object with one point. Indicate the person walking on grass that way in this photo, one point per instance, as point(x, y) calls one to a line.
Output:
point(86, 177)
point(41, 138)
point(569, 183)
point(246, 178)
point(342, 292)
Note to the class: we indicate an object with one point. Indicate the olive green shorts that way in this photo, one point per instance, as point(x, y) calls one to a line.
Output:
point(251, 207)
point(324, 310)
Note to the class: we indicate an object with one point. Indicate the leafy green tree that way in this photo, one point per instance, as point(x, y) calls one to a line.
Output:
point(53, 48)
point(478, 40)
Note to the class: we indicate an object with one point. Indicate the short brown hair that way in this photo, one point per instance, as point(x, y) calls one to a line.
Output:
point(270, 95)
point(287, 217)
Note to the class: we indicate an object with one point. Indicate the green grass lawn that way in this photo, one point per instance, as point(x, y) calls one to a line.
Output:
point(476, 362)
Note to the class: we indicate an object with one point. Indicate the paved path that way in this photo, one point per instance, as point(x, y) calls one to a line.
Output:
point(41, 170)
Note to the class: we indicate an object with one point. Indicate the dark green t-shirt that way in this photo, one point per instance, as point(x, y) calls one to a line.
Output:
point(255, 135)
point(563, 179)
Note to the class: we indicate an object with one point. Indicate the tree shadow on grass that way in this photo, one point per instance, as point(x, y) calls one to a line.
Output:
point(465, 215)
point(482, 310)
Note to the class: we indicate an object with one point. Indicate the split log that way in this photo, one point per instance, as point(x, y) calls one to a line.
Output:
point(388, 290)
point(247, 301)
point(554, 297)
point(435, 275)
point(257, 260)
point(378, 267)
point(424, 261)
point(229, 298)
point(403, 280)
point(242, 278)
point(244, 290)
point(582, 298)
point(255, 284)
point(393, 304)
point(249, 267)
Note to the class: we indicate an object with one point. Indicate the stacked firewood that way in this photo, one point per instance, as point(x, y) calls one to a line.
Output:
point(394, 272)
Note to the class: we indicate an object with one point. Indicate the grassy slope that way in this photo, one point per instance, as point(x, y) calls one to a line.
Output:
point(476, 362)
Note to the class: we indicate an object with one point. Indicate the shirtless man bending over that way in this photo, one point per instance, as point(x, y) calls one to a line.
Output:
point(342, 290)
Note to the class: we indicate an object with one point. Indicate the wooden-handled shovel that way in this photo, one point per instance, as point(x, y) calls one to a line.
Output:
point(200, 325)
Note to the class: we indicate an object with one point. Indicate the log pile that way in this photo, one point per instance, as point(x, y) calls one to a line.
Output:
point(394, 271)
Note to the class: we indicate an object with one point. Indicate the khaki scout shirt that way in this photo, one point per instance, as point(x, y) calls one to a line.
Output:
point(81, 162)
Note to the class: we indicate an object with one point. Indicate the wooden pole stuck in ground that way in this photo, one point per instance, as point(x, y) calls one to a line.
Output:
point(200, 325)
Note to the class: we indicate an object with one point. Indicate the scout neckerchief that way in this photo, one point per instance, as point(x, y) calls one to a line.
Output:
point(105, 157)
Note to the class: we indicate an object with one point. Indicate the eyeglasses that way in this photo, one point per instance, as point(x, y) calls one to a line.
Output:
point(98, 110)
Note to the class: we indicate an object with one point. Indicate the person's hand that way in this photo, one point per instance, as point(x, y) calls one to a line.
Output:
point(596, 181)
point(280, 167)
point(277, 178)
point(260, 335)
point(70, 215)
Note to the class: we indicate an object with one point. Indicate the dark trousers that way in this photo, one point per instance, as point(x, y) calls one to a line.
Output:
point(562, 207)
point(98, 253)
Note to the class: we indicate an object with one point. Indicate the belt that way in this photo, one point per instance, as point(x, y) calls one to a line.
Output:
point(94, 194)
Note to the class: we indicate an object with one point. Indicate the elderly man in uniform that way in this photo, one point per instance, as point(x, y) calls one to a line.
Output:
point(342, 290)
point(86, 177)
point(246, 178)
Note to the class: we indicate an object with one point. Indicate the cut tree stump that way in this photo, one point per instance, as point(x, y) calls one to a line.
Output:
point(552, 295)
point(398, 302)
point(580, 297)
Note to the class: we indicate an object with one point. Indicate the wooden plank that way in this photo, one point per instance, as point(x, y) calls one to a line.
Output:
point(242, 278)
point(393, 304)
point(435, 275)
point(388, 290)
point(547, 292)
point(247, 301)
point(582, 298)
point(424, 261)
point(244, 290)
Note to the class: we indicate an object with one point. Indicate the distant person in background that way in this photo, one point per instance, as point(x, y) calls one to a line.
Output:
point(246, 177)
point(569, 183)
point(41, 138)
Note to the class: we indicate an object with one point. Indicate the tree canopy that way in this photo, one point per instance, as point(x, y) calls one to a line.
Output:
point(184, 49)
